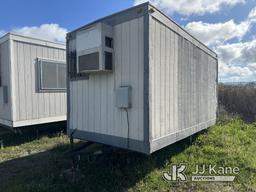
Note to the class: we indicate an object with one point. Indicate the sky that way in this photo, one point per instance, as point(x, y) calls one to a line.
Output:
point(226, 26)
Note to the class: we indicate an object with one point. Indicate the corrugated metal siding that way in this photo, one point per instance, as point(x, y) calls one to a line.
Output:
point(182, 83)
point(30, 104)
point(163, 80)
point(5, 109)
point(92, 102)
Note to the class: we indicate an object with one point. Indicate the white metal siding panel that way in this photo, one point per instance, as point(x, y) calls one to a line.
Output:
point(163, 80)
point(5, 108)
point(182, 84)
point(35, 100)
point(92, 102)
point(31, 104)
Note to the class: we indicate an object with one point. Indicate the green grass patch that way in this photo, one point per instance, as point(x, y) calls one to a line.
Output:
point(38, 164)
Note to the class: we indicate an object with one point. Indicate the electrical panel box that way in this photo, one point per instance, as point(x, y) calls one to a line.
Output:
point(94, 47)
point(123, 97)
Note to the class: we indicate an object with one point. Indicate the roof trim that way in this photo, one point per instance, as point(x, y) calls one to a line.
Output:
point(31, 40)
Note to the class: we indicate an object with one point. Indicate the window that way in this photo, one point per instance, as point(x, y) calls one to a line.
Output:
point(52, 75)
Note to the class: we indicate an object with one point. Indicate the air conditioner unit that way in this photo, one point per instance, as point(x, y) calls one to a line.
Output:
point(94, 48)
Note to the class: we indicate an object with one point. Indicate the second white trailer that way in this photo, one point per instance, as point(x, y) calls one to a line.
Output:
point(32, 81)
point(138, 81)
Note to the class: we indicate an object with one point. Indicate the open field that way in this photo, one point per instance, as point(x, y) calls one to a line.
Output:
point(38, 162)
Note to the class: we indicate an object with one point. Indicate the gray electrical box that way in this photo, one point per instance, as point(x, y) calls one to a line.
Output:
point(123, 97)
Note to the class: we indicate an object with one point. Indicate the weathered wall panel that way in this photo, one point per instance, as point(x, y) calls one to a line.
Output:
point(92, 102)
point(182, 84)
point(30, 103)
point(5, 108)
point(163, 80)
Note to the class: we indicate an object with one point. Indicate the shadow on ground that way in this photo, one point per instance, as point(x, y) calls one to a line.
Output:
point(14, 137)
point(113, 170)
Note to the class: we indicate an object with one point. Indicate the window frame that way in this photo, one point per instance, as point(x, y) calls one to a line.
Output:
point(39, 62)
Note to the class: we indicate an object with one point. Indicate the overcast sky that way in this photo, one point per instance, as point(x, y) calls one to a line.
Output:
point(227, 26)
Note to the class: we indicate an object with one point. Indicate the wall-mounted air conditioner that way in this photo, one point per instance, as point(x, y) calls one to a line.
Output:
point(94, 48)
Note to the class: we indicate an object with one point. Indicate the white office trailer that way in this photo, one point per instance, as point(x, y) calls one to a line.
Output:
point(137, 80)
point(32, 81)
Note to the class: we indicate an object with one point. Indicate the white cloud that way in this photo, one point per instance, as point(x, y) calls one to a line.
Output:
point(218, 33)
point(50, 32)
point(229, 73)
point(252, 66)
point(188, 7)
point(243, 52)
point(237, 61)
point(252, 14)
point(214, 33)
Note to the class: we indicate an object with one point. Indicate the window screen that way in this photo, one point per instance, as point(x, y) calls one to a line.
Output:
point(89, 62)
point(52, 75)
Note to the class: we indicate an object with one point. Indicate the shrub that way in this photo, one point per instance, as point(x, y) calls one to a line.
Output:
point(238, 100)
